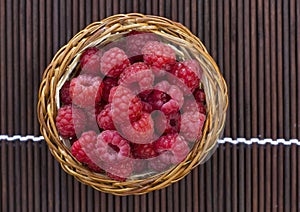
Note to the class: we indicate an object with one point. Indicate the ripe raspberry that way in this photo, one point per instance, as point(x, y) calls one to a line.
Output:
point(92, 114)
point(85, 90)
point(170, 107)
point(108, 83)
point(140, 131)
point(191, 125)
point(113, 62)
point(137, 73)
point(159, 56)
point(90, 61)
point(190, 105)
point(157, 98)
point(169, 123)
point(199, 95)
point(174, 144)
point(64, 94)
point(70, 121)
point(172, 90)
point(184, 74)
point(194, 65)
point(143, 151)
point(114, 152)
point(136, 40)
point(83, 148)
point(147, 107)
point(104, 119)
point(124, 104)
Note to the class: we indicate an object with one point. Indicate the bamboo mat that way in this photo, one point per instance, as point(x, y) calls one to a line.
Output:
point(256, 45)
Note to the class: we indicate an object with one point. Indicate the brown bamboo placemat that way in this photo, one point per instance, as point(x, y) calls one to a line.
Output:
point(255, 43)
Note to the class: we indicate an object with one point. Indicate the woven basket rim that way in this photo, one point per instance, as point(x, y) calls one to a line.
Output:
point(92, 35)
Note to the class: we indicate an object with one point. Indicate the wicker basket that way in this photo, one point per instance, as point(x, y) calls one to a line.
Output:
point(95, 34)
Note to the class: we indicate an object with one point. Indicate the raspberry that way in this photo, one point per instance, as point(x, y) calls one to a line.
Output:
point(175, 144)
point(82, 150)
point(169, 123)
point(70, 121)
point(92, 114)
point(90, 61)
point(111, 147)
point(157, 98)
point(170, 107)
point(64, 94)
point(114, 152)
point(136, 40)
point(140, 131)
point(124, 104)
point(159, 56)
point(185, 74)
point(113, 62)
point(199, 95)
point(108, 83)
point(104, 119)
point(143, 151)
point(191, 125)
point(190, 105)
point(137, 73)
point(85, 90)
point(147, 107)
point(194, 65)
point(172, 90)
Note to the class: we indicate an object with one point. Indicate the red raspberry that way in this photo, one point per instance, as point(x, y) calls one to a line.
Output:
point(137, 73)
point(172, 90)
point(64, 94)
point(124, 104)
point(114, 152)
point(190, 105)
point(194, 65)
point(157, 98)
point(92, 114)
point(136, 40)
point(83, 150)
point(184, 74)
point(108, 83)
point(143, 151)
point(140, 131)
point(85, 90)
point(161, 162)
point(104, 119)
point(191, 125)
point(199, 95)
point(70, 121)
point(170, 107)
point(159, 56)
point(113, 62)
point(147, 107)
point(169, 123)
point(174, 144)
point(90, 61)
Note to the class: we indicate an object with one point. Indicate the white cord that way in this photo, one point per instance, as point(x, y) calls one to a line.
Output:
point(220, 141)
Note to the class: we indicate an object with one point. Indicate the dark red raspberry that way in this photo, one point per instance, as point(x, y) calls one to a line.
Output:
point(147, 107)
point(113, 62)
point(108, 83)
point(140, 131)
point(70, 121)
point(165, 124)
point(157, 98)
point(124, 105)
point(199, 95)
point(83, 150)
point(174, 144)
point(184, 74)
point(191, 125)
point(85, 90)
point(104, 119)
point(90, 61)
point(143, 151)
point(159, 56)
point(138, 73)
point(64, 94)
point(136, 40)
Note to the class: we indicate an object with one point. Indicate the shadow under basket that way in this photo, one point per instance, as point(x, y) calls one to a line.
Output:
point(65, 62)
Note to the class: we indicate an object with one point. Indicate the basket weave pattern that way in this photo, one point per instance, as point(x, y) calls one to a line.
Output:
point(98, 33)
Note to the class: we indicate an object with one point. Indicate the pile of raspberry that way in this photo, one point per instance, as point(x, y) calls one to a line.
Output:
point(133, 109)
